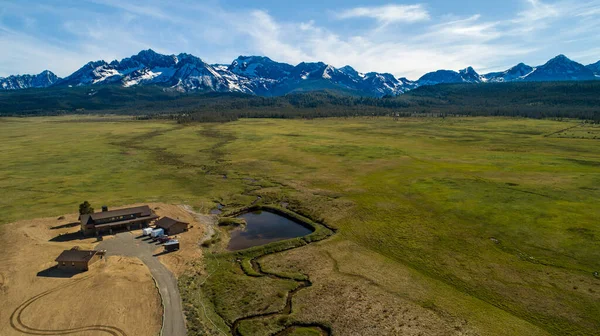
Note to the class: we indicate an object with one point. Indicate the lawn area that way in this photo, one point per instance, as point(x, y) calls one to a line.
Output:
point(497, 214)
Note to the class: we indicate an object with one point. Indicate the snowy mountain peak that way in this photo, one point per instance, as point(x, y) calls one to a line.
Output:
point(350, 71)
point(560, 68)
point(150, 59)
point(259, 67)
point(518, 72)
point(468, 70)
point(16, 82)
point(261, 75)
point(328, 72)
point(469, 75)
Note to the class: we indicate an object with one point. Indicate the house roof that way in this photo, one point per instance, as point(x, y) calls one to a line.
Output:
point(142, 210)
point(75, 255)
point(167, 222)
point(84, 218)
point(125, 222)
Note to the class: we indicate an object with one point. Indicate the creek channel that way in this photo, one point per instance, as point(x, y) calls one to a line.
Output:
point(263, 227)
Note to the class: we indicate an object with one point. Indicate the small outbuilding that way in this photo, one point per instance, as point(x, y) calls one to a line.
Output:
point(172, 226)
point(77, 260)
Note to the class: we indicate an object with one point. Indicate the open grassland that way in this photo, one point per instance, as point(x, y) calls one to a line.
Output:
point(482, 226)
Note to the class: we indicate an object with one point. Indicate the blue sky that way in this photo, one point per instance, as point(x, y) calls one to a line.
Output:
point(406, 38)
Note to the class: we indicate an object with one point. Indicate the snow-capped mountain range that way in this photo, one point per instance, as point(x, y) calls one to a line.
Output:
point(44, 79)
point(262, 76)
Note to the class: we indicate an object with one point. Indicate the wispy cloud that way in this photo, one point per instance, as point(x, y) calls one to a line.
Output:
point(64, 37)
point(388, 14)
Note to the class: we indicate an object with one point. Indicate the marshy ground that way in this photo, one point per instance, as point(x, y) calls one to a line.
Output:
point(476, 226)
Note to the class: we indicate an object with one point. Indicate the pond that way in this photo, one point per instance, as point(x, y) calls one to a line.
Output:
point(263, 227)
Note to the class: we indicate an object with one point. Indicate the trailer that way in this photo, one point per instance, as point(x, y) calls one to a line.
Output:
point(156, 233)
point(146, 231)
point(171, 245)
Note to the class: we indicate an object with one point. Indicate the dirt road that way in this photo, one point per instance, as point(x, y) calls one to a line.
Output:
point(127, 244)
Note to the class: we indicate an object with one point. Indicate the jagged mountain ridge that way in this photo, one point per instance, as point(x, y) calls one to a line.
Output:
point(560, 68)
point(262, 76)
point(595, 68)
point(518, 72)
point(16, 82)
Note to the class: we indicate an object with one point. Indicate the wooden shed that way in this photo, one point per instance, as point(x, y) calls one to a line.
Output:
point(77, 260)
point(172, 226)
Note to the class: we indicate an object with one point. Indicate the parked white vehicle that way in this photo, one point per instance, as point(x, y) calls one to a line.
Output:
point(157, 232)
point(146, 231)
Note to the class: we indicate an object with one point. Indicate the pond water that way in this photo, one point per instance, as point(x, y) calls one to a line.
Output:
point(263, 227)
point(218, 210)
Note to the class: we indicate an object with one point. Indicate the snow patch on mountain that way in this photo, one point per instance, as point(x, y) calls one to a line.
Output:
point(560, 68)
point(262, 76)
point(17, 82)
point(518, 72)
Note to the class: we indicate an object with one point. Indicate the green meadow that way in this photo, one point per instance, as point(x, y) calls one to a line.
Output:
point(494, 220)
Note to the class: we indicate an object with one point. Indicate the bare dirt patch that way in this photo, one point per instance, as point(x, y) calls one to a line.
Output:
point(190, 252)
point(117, 296)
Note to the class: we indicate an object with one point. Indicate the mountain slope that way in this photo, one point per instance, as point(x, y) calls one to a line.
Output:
point(181, 72)
point(468, 75)
point(259, 75)
point(517, 72)
point(44, 79)
point(560, 68)
point(595, 68)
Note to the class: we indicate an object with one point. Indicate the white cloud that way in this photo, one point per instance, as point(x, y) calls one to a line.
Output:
point(31, 55)
point(459, 30)
point(388, 14)
point(539, 11)
point(217, 35)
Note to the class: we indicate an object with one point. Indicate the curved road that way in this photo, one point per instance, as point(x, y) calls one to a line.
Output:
point(126, 244)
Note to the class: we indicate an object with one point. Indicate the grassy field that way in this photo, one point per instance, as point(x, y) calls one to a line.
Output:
point(490, 225)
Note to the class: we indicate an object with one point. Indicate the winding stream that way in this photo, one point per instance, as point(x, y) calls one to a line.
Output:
point(287, 309)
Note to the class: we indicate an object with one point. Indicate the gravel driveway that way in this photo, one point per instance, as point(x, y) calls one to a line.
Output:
point(126, 244)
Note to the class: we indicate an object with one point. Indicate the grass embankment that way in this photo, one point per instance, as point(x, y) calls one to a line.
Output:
point(233, 272)
point(489, 212)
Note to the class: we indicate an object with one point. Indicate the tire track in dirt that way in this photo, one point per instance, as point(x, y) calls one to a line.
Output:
point(2, 283)
point(16, 321)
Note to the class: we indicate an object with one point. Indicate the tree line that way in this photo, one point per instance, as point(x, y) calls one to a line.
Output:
point(580, 100)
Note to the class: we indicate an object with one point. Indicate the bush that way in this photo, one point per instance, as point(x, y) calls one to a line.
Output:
point(85, 208)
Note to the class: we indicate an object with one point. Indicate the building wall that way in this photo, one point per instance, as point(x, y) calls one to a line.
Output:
point(73, 266)
point(95, 258)
point(78, 265)
point(177, 228)
point(91, 230)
